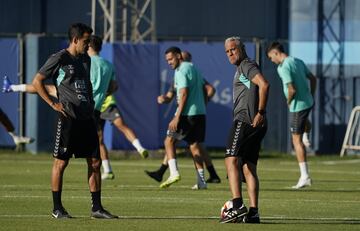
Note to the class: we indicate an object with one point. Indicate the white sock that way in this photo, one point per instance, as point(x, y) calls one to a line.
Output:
point(200, 176)
point(136, 143)
point(18, 87)
point(304, 170)
point(173, 168)
point(12, 134)
point(106, 165)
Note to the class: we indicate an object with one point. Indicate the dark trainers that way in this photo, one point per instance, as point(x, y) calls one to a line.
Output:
point(60, 214)
point(255, 218)
point(215, 180)
point(155, 175)
point(6, 85)
point(102, 214)
point(234, 215)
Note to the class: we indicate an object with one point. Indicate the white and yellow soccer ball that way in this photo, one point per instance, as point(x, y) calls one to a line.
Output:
point(225, 208)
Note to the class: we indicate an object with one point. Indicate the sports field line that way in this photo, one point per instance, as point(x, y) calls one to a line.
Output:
point(334, 162)
point(178, 199)
point(350, 220)
point(191, 166)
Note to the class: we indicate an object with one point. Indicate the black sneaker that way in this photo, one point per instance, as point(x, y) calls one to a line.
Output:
point(214, 180)
point(155, 175)
point(60, 214)
point(235, 215)
point(252, 218)
point(102, 214)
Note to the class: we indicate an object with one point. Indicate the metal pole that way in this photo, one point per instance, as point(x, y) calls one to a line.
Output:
point(153, 20)
point(21, 80)
point(113, 21)
point(124, 21)
point(93, 14)
point(106, 15)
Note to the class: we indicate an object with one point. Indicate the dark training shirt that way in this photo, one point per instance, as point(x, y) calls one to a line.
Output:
point(245, 93)
point(71, 76)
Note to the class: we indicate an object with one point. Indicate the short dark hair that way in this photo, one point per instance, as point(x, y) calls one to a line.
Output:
point(189, 56)
point(95, 43)
point(77, 30)
point(175, 50)
point(276, 46)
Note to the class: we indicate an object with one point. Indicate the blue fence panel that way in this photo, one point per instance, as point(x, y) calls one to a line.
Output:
point(9, 103)
point(137, 76)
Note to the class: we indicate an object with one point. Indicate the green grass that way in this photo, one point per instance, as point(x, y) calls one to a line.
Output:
point(332, 203)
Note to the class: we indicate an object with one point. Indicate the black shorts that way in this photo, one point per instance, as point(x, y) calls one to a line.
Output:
point(111, 113)
point(190, 129)
point(298, 121)
point(76, 137)
point(245, 141)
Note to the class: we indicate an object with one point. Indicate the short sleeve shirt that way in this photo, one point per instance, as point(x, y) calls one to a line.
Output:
point(245, 93)
point(71, 77)
point(293, 70)
point(187, 76)
point(101, 74)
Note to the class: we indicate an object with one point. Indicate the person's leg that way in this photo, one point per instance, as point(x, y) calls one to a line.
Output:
point(231, 164)
point(170, 150)
point(232, 155)
point(105, 160)
point(130, 136)
point(56, 188)
point(237, 213)
point(4, 119)
point(159, 174)
point(298, 124)
point(29, 88)
point(252, 183)
point(214, 178)
point(94, 179)
point(305, 137)
point(302, 161)
point(195, 150)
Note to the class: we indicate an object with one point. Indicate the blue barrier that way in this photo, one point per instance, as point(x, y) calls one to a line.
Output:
point(137, 76)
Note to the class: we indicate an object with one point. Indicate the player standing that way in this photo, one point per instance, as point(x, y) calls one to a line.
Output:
point(76, 129)
point(250, 91)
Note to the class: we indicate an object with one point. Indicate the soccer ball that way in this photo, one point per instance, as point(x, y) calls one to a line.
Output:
point(225, 209)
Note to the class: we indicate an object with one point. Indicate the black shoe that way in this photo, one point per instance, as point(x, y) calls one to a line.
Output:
point(155, 175)
point(252, 218)
point(235, 215)
point(215, 180)
point(60, 214)
point(102, 214)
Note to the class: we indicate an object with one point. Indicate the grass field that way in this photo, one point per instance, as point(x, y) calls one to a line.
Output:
point(332, 203)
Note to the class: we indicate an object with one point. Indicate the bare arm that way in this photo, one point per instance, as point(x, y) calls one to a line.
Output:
point(209, 91)
point(183, 94)
point(166, 98)
point(264, 86)
point(291, 92)
point(41, 90)
point(29, 88)
point(312, 79)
